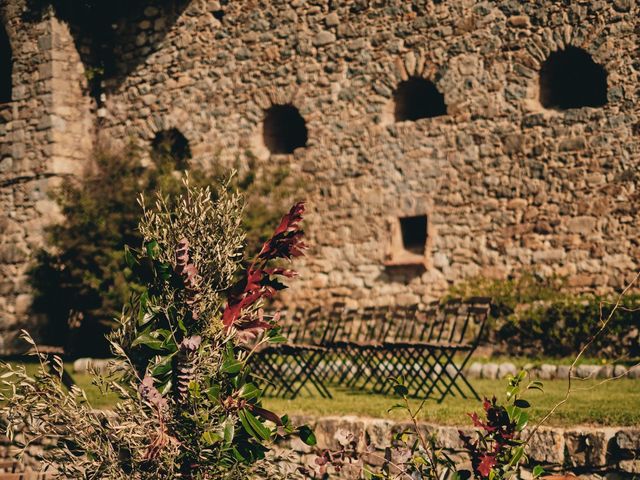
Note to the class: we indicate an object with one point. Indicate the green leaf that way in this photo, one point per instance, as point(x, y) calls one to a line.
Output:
point(152, 249)
point(536, 385)
point(522, 421)
point(231, 366)
point(162, 366)
point(213, 392)
point(307, 436)
point(521, 403)
point(462, 475)
point(129, 257)
point(210, 438)
point(537, 471)
point(194, 389)
point(229, 431)
point(148, 341)
point(249, 391)
point(164, 270)
point(277, 339)
point(253, 426)
point(518, 453)
point(396, 406)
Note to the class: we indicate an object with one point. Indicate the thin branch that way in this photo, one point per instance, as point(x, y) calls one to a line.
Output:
point(603, 327)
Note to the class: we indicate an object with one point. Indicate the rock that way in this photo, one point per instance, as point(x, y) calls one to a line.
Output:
point(474, 370)
point(151, 12)
point(570, 144)
point(586, 448)
point(582, 225)
point(506, 369)
point(518, 21)
point(606, 371)
point(628, 439)
point(619, 370)
point(562, 372)
point(323, 38)
point(490, 370)
point(547, 446)
point(332, 19)
point(629, 466)
point(587, 371)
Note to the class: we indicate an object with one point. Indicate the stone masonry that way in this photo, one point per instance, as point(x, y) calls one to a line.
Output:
point(591, 452)
point(497, 184)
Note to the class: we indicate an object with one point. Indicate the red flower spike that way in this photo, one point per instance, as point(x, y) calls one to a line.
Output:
point(286, 241)
point(487, 462)
point(261, 281)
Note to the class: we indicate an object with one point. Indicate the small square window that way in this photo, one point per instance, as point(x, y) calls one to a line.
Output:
point(409, 239)
point(414, 233)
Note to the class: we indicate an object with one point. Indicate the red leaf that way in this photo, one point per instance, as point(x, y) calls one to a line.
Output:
point(267, 415)
point(487, 462)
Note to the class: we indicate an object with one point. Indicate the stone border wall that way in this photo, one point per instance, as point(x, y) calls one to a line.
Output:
point(548, 371)
point(475, 370)
point(585, 451)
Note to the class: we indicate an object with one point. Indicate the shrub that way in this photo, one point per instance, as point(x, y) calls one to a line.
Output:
point(541, 316)
point(81, 280)
point(190, 407)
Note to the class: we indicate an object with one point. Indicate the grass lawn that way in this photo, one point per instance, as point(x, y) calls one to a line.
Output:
point(611, 403)
point(84, 381)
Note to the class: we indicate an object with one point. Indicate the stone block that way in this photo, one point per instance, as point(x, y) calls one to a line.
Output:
point(583, 225)
point(507, 369)
point(628, 439)
point(586, 448)
point(619, 370)
point(474, 370)
point(323, 38)
point(562, 372)
point(546, 371)
point(630, 466)
point(606, 371)
point(587, 371)
point(490, 370)
point(547, 446)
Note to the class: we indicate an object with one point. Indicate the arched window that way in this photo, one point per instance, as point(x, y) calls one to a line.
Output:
point(418, 98)
point(284, 129)
point(570, 78)
point(6, 67)
point(170, 150)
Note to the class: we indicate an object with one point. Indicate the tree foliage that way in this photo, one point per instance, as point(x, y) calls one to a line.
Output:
point(81, 279)
point(190, 407)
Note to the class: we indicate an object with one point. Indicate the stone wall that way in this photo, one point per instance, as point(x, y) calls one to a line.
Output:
point(45, 133)
point(505, 184)
point(590, 452)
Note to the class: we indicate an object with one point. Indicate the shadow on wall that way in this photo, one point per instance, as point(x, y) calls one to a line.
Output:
point(105, 33)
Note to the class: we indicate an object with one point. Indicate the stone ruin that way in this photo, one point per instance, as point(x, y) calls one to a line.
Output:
point(436, 141)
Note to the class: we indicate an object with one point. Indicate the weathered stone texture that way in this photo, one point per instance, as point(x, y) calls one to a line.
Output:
point(587, 451)
point(590, 452)
point(45, 132)
point(506, 184)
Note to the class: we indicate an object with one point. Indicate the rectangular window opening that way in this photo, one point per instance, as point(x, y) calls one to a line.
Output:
point(414, 233)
